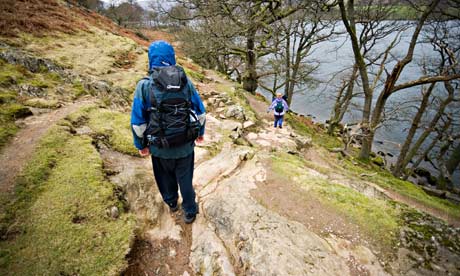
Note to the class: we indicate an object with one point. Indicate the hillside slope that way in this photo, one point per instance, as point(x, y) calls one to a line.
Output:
point(77, 200)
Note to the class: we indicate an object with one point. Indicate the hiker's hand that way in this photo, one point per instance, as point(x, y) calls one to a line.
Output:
point(144, 152)
point(200, 139)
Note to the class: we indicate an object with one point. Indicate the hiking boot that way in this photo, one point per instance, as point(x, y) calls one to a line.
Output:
point(189, 218)
point(173, 207)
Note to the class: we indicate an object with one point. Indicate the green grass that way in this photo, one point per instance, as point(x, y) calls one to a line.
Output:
point(78, 89)
point(197, 76)
point(377, 218)
point(42, 103)
point(113, 125)
point(117, 126)
point(7, 96)
point(319, 137)
point(386, 180)
point(12, 74)
point(383, 178)
point(59, 214)
point(9, 112)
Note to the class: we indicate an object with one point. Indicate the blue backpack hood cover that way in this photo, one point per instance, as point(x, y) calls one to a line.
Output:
point(161, 53)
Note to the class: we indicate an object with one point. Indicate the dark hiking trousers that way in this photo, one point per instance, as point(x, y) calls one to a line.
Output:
point(172, 173)
point(278, 120)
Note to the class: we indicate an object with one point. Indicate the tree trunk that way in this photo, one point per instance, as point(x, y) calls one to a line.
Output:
point(454, 160)
point(250, 74)
point(398, 168)
point(428, 149)
point(288, 66)
point(347, 14)
point(444, 178)
point(366, 146)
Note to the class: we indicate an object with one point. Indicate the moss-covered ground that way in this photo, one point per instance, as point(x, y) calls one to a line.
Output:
point(56, 223)
point(113, 126)
point(377, 218)
point(386, 180)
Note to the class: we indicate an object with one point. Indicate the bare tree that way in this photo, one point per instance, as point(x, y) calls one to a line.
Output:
point(292, 44)
point(247, 29)
point(371, 118)
point(442, 37)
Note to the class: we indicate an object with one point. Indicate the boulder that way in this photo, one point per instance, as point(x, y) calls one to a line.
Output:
point(33, 64)
point(31, 91)
point(235, 111)
point(302, 142)
point(378, 160)
point(113, 212)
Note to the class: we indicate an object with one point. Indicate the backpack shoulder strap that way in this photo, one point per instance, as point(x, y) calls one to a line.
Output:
point(152, 98)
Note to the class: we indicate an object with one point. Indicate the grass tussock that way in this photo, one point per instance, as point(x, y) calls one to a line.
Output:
point(57, 224)
point(113, 125)
point(194, 74)
point(42, 103)
point(9, 112)
point(117, 126)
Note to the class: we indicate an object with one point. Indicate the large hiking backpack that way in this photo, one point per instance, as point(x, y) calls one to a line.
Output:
point(279, 107)
point(172, 121)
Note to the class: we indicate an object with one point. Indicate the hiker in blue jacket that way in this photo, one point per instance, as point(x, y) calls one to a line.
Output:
point(167, 118)
point(280, 107)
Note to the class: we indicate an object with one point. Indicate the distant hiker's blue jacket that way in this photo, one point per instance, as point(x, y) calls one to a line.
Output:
point(161, 54)
point(275, 102)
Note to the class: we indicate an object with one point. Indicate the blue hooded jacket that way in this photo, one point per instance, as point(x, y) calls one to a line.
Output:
point(161, 54)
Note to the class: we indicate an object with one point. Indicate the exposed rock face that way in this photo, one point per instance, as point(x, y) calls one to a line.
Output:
point(31, 91)
point(428, 247)
point(208, 254)
point(135, 179)
point(33, 64)
point(105, 89)
point(276, 139)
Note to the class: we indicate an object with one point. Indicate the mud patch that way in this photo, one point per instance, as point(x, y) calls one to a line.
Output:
point(162, 257)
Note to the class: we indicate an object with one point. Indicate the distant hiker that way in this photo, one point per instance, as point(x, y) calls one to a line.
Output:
point(280, 106)
point(167, 118)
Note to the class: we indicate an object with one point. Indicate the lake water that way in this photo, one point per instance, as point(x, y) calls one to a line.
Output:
point(332, 59)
